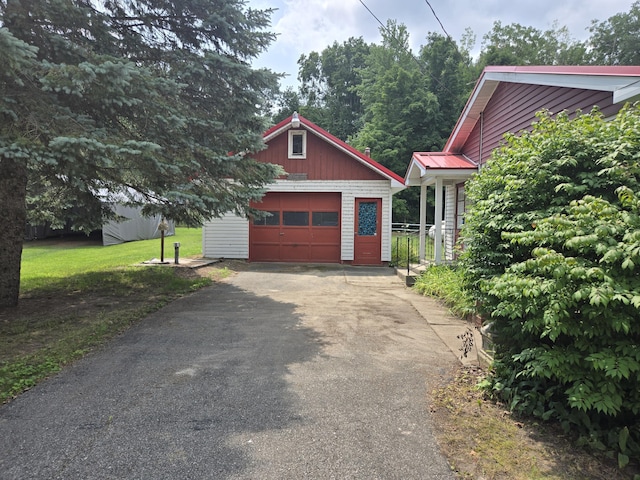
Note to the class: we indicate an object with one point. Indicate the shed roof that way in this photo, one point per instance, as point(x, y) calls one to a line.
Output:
point(442, 160)
point(425, 166)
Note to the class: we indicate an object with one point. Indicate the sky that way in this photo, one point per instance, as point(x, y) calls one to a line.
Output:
point(304, 26)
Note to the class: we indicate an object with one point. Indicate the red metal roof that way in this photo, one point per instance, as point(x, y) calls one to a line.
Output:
point(618, 70)
point(441, 160)
point(320, 132)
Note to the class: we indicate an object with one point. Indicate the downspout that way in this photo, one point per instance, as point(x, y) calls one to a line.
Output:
point(481, 136)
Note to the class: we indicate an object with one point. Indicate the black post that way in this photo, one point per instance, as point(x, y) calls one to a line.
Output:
point(162, 246)
point(176, 247)
point(408, 254)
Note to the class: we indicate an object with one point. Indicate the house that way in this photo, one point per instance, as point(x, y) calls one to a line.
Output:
point(506, 99)
point(333, 205)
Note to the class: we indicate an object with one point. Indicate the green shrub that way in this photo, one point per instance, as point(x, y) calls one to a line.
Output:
point(573, 314)
point(553, 250)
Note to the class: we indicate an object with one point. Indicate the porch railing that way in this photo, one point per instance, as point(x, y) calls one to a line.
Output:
point(406, 245)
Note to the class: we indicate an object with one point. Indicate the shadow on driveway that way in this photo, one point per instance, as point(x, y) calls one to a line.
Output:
point(164, 399)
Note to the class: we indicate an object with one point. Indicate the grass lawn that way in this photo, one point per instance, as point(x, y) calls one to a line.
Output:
point(76, 293)
point(47, 260)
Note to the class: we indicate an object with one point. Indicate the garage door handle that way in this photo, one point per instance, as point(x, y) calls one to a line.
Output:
point(281, 233)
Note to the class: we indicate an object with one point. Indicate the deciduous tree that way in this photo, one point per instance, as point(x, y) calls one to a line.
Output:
point(615, 41)
point(328, 83)
point(515, 44)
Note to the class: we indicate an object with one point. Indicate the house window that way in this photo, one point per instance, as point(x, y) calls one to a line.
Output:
point(297, 144)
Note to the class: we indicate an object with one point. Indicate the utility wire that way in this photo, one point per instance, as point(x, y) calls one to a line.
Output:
point(435, 15)
point(421, 66)
point(373, 14)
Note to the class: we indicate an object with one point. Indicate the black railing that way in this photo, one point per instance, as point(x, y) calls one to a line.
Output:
point(406, 244)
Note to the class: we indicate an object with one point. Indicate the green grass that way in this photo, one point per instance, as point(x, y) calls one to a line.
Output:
point(404, 247)
point(44, 262)
point(446, 283)
point(76, 295)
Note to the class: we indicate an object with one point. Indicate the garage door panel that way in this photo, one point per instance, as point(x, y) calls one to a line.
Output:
point(266, 252)
point(320, 252)
point(309, 228)
point(325, 235)
point(294, 252)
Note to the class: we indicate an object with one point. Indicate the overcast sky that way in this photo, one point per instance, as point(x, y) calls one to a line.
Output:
point(304, 26)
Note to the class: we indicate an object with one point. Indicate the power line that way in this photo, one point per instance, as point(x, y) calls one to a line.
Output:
point(421, 67)
point(373, 14)
point(435, 15)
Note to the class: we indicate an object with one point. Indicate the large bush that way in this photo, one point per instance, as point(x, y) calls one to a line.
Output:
point(553, 253)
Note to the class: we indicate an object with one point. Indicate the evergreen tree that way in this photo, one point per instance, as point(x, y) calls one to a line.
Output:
point(137, 102)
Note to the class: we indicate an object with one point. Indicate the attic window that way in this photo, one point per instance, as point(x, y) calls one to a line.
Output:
point(297, 144)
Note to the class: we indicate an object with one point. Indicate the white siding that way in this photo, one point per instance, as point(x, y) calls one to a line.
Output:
point(449, 221)
point(226, 237)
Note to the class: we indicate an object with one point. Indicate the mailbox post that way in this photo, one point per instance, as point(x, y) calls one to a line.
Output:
point(163, 226)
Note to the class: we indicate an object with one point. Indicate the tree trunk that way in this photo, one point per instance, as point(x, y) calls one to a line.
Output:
point(13, 217)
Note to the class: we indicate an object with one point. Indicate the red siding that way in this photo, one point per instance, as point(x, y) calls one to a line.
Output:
point(513, 106)
point(323, 162)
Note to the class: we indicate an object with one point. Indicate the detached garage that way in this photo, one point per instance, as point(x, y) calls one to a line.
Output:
point(333, 205)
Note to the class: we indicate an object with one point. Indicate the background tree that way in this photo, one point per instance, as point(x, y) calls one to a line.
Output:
point(449, 76)
point(328, 83)
point(285, 103)
point(615, 41)
point(515, 44)
point(401, 114)
point(132, 102)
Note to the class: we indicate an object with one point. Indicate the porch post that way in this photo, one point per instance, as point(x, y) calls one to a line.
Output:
point(438, 222)
point(423, 223)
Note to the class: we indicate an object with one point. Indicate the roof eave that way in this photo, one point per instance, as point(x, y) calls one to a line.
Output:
point(447, 175)
point(410, 177)
point(624, 83)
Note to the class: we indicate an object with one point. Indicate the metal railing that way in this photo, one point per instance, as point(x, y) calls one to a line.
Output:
point(406, 245)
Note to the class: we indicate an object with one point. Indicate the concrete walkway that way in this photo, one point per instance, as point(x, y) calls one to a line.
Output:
point(280, 372)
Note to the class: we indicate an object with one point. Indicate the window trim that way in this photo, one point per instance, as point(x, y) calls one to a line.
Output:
point(303, 134)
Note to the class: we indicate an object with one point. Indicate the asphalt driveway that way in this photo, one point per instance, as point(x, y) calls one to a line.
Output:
point(279, 372)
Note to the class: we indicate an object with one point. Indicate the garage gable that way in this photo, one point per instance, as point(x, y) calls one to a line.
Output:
point(307, 152)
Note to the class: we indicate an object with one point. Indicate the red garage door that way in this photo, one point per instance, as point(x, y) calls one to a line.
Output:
point(300, 227)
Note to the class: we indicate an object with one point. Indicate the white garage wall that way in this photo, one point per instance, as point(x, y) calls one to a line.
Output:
point(226, 237)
